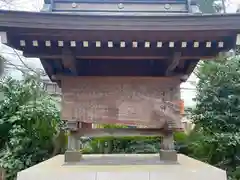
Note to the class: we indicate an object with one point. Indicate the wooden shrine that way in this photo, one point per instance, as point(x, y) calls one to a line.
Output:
point(120, 62)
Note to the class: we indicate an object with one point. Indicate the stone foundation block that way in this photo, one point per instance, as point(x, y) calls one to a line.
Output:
point(73, 156)
point(168, 155)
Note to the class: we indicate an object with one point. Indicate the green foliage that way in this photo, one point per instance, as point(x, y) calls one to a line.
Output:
point(113, 126)
point(217, 115)
point(218, 96)
point(220, 150)
point(123, 145)
point(29, 125)
point(136, 144)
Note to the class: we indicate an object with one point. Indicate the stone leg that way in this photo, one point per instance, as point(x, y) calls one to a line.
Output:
point(73, 153)
point(167, 152)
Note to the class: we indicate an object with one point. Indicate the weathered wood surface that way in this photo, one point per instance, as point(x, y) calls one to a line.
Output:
point(134, 21)
point(122, 100)
point(118, 132)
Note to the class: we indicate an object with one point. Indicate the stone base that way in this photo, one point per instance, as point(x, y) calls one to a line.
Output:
point(168, 155)
point(122, 167)
point(72, 156)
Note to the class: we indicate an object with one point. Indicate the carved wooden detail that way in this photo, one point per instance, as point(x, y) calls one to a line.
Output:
point(122, 100)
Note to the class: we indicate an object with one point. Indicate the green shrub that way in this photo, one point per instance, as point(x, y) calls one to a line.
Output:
point(30, 126)
point(124, 145)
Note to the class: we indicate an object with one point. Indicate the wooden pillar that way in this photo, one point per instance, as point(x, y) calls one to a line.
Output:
point(167, 152)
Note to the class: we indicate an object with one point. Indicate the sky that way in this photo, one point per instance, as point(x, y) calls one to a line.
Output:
point(233, 5)
point(188, 88)
point(35, 5)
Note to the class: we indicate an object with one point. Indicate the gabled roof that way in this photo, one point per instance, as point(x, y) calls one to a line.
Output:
point(109, 21)
point(86, 44)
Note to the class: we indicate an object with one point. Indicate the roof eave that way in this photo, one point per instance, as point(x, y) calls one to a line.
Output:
point(72, 21)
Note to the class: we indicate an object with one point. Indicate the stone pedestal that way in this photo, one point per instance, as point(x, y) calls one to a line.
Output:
point(73, 153)
point(72, 156)
point(122, 167)
point(167, 152)
point(168, 155)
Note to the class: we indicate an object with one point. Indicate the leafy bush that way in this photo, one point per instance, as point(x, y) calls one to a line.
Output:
point(123, 145)
point(138, 144)
point(30, 126)
point(217, 115)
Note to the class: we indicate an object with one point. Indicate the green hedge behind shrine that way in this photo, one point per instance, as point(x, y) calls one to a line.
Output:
point(138, 144)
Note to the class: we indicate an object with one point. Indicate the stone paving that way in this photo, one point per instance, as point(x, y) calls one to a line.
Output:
point(122, 167)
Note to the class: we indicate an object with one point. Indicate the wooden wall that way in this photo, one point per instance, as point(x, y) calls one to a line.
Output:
point(119, 100)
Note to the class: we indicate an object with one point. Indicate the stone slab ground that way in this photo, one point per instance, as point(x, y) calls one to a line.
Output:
point(122, 167)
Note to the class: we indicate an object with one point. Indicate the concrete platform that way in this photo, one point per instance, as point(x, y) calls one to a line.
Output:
point(122, 167)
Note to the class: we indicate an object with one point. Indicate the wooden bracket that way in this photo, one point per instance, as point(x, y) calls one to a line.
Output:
point(47, 66)
point(69, 60)
point(173, 63)
point(191, 66)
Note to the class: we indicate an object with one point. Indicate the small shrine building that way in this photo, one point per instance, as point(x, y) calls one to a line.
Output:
point(120, 62)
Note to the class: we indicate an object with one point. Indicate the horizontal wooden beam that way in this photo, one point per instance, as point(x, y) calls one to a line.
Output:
point(46, 49)
point(54, 57)
point(163, 79)
point(109, 21)
point(118, 132)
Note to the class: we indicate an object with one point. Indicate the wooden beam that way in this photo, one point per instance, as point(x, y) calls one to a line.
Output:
point(189, 69)
point(191, 66)
point(47, 67)
point(69, 60)
point(129, 78)
point(118, 132)
point(122, 53)
point(56, 57)
point(173, 63)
